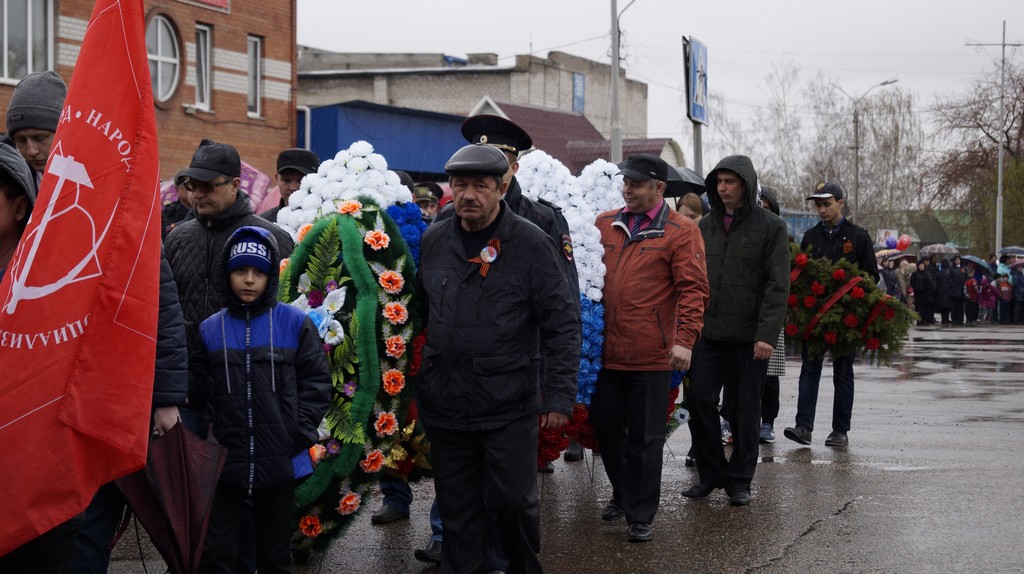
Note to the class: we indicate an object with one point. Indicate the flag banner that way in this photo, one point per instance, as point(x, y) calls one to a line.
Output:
point(79, 302)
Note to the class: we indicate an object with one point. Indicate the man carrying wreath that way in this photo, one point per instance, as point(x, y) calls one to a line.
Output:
point(833, 238)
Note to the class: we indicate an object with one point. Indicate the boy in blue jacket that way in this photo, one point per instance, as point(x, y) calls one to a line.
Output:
point(267, 387)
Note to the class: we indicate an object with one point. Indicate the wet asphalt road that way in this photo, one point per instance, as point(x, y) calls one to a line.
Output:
point(931, 482)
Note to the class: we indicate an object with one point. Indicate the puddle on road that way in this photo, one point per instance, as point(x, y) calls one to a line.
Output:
point(886, 466)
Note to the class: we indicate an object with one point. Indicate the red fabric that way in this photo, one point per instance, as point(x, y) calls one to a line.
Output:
point(79, 303)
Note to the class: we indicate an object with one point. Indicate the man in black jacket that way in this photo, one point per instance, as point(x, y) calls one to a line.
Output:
point(193, 248)
point(747, 255)
point(833, 238)
point(496, 306)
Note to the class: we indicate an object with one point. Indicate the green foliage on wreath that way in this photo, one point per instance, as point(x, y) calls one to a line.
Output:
point(837, 308)
point(353, 253)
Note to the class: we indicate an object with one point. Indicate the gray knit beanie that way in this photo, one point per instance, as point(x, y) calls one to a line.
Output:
point(37, 102)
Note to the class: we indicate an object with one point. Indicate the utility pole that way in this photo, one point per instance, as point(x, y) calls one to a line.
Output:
point(856, 142)
point(616, 151)
point(1002, 136)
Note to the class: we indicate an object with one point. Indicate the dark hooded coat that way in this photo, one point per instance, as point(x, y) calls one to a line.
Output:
point(748, 267)
point(266, 380)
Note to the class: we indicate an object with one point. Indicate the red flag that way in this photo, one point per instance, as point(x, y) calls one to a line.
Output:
point(78, 306)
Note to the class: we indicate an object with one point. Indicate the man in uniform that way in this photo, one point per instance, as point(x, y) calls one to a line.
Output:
point(496, 309)
point(292, 165)
point(833, 238)
point(512, 140)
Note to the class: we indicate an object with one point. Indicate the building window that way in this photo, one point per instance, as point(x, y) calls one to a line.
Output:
point(255, 71)
point(25, 32)
point(579, 92)
point(203, 67)
point(164, 61)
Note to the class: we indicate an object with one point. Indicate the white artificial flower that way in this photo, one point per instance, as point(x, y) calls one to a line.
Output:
point(335, 300)
point(301, 303)
point(343, 156)
point(358, 165)
point(335, 333)
point(361, 148)
point(304, 283)
point(377, 162)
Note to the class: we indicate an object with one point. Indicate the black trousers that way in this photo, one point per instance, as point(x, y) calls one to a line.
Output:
point(272, 518)
point(487, 479)
point(770, 399)
point(717, 365)
point(971, 310)
point(957, 311)
point(629, 412)
point(50, 553)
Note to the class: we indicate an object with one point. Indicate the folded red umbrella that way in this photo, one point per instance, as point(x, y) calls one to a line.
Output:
point(173, 495)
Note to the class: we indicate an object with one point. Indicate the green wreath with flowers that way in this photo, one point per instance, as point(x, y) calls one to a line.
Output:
point(353, 275)
point(837, 308)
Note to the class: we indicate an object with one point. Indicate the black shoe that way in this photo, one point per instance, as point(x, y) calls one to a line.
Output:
point(547, 468)
point(574, 453)
point(431, 553)
point(612, 512)
point(388, 514)
point(701, 490)
point(836, 438)
point(739, 498)
point(639, 532)
point(798, 434)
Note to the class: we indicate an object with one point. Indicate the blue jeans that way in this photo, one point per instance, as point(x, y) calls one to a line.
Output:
point(842, 379)
point(397, 494)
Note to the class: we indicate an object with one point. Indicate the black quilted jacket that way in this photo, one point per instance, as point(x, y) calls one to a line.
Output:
point(193, 248)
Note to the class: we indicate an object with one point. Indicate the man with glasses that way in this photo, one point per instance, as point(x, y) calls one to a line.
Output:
point(193, 247)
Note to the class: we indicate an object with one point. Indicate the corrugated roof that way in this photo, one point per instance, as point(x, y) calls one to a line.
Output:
point(570, 138)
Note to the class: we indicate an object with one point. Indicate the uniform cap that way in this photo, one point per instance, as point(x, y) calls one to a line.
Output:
point(496, 131)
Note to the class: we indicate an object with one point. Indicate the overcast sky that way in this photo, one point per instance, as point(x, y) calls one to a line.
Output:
point(858, 43)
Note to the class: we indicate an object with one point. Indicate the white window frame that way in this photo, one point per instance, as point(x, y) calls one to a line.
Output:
point(163, 93)
point(31, 65)
point(254, 75)
point(204, 66)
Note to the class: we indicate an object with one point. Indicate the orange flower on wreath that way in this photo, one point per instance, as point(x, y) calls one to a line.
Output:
point(348, 503)
point(394, 381)
point(394, 346)
point(373, 462)
point(350, 208)
point(386, 424)
point(282, 266)
point(310, 526)
point(396, 313)
point(376, 239)
point(392, 282)
point(304, 230)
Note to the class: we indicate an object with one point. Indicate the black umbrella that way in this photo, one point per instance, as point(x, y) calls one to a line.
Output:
point(1015, 250)
point(981, 263)
point(683, 180)
point(173, 495)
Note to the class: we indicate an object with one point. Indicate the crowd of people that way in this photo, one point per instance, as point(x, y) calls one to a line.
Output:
point(960, 291)
point(700, 287)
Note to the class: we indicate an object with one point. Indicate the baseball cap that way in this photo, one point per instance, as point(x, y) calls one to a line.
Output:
point(213, 159)
point(301, 160)
point(825, 190)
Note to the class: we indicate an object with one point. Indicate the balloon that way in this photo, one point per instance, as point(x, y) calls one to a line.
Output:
point(890, 242)
point(903, 243)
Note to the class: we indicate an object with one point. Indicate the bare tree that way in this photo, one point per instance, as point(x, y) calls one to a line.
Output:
point(962, 173)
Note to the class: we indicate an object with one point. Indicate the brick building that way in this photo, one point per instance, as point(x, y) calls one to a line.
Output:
point(222, 69)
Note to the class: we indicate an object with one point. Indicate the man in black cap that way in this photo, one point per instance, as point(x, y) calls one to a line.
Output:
point(193, 247)
point(655, 290)
point(292, 165)
point(833, 238)
point(496, 307)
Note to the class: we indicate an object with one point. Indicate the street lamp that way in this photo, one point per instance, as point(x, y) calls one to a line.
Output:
point(616, 151)
point(856, 141)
